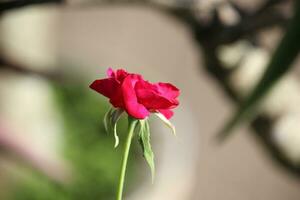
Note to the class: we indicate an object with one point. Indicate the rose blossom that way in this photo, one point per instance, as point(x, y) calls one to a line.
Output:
point(135, 95)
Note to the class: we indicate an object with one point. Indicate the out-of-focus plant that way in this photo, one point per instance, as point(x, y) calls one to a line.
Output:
point(87, 149)
point(280, 64)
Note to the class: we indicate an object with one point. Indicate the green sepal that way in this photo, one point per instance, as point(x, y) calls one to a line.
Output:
point(106, 120)
point(110, 123)
point(166, 122)
point(144, 139)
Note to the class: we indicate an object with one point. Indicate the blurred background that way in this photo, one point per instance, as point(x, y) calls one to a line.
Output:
point(52, 140)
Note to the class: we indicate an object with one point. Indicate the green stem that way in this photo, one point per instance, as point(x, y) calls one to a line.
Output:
point(131, 125)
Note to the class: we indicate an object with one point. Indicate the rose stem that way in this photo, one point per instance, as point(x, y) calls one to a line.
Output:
point(131, 125)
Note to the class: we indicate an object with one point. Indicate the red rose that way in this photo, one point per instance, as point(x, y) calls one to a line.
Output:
point(137, 96)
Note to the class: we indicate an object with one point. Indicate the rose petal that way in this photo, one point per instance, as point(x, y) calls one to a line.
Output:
point(105, 87)
point(132, 106)
point(149, 95)
point(118, 75)
point(117, 98)
point(121, 74)
point(168, 90)
point(110, 72)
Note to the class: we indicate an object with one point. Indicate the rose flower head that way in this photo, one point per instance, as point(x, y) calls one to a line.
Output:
point(137, 96)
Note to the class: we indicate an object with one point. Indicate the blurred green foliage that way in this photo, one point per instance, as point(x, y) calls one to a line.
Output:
point(87, 148)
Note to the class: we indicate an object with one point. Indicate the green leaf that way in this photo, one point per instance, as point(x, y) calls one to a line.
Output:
point(280, 64)
point(144, 138)
point(166, 122)
point(110, 122)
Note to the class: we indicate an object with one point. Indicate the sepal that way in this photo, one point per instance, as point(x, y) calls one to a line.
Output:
point(110, 121)
point(166, 122)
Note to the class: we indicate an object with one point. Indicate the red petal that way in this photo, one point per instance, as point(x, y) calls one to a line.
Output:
point(117, 99)
point(168, 90)
point(106, 87)
point(121, 74)
point(110, 72)
point(149, 95)
point(132, 106)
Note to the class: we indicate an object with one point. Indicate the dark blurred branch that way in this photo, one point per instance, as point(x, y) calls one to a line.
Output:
point(265, 16)
point(250, 26)
point(267, 5)
point(14, 4)
point(211, 36)
point(262, 124)
point(6, 64)
point(218, 33)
